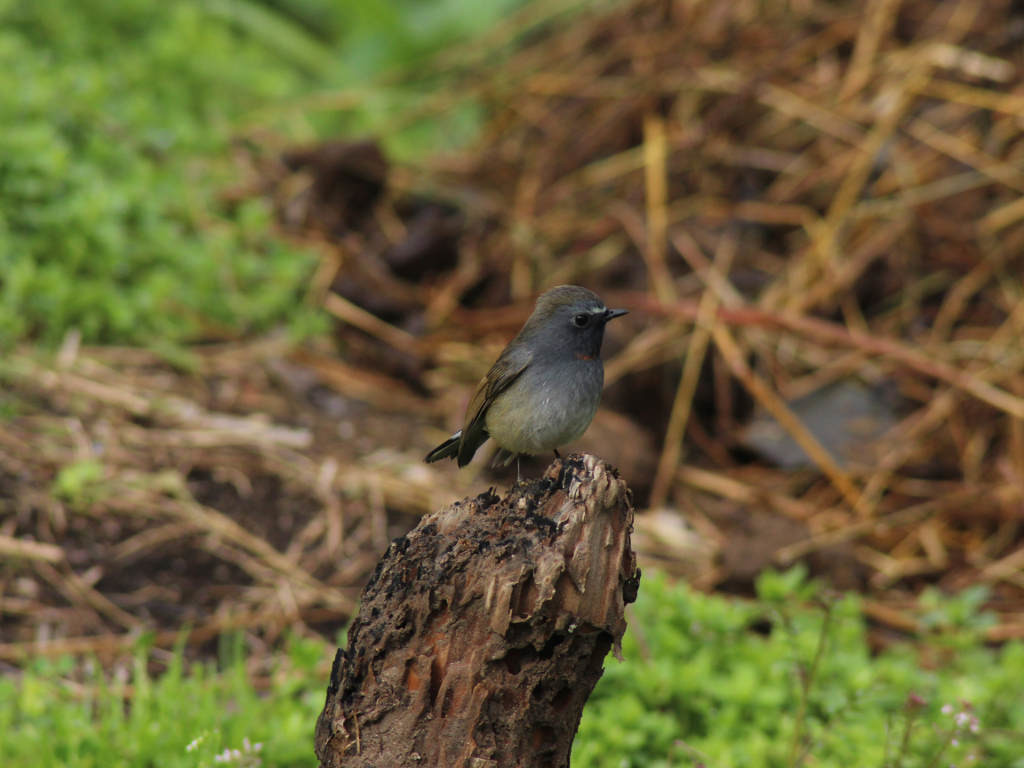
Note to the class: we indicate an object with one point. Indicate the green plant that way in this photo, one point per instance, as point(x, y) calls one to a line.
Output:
point(79, 483)
point(956, 621)
point(706, 681)
point(63, 714)
point(783, 682)
point(109, 172)
point(118, 122)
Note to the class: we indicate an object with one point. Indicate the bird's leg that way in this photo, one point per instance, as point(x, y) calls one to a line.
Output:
point(518, 477)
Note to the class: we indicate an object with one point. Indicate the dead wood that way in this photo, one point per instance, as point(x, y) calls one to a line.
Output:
point(483, 631)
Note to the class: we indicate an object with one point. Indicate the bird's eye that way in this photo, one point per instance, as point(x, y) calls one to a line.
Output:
point(581, 320)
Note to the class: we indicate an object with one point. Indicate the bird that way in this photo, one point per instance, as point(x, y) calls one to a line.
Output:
point(544, 388)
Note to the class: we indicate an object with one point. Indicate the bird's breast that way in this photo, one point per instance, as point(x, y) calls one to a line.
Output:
point(548, 406)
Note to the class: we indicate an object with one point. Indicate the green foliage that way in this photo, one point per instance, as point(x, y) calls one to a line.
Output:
point(79, 483)
point(184, 717)
point(118, 116)
point(956, 621)
point(109, 221)
point(707, 681)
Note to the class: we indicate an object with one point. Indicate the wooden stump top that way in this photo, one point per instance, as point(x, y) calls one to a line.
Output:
point(482, 632)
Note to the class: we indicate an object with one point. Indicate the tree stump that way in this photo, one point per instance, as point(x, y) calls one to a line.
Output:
point(483, 631)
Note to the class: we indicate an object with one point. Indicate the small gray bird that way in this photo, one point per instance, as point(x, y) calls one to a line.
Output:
point(543, 390)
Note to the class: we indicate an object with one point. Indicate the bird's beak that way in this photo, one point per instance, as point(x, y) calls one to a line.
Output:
point(611, 314)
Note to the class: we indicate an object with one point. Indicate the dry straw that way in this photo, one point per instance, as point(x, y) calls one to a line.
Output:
point(788, 195)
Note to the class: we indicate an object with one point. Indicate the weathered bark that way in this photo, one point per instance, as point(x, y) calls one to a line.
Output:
point(483, 631)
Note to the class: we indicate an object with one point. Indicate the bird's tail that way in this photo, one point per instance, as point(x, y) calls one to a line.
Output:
point(449, 449)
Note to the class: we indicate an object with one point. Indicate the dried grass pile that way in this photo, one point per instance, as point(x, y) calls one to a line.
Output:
point(137, 496)
point(814, 206)
point(814, 210)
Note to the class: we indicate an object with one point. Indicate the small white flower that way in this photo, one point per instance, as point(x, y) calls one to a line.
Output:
point(947, 709)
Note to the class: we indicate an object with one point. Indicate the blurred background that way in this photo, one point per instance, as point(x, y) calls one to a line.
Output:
point(256, 254)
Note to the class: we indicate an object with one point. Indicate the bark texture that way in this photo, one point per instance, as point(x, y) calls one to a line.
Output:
point(483, 631)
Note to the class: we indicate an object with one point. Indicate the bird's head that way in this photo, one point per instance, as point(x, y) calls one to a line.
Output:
point(568, 320)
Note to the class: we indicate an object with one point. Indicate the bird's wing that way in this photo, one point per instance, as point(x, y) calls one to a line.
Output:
point(505, 370)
